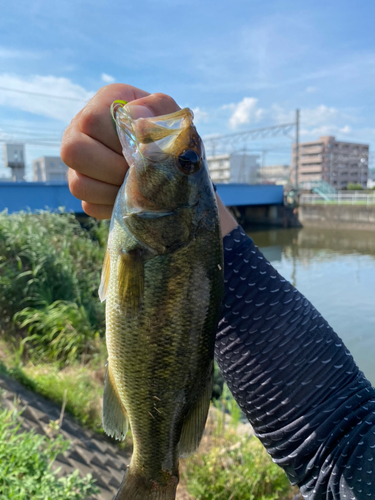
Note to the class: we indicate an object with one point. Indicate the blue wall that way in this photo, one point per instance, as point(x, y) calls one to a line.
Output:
point(250, 194)
point(16, 196)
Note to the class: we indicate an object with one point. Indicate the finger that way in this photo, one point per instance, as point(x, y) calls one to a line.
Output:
point(98, 211)
point(157, 105)
point(89, 157)
point(87, 189)
point(95, 119)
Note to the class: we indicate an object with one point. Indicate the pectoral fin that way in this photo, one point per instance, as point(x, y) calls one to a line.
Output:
point(194, 423)
point(115, 420)
point(131, 280)
point(105, 278)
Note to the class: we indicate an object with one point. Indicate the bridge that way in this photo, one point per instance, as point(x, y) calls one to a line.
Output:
point(35, 196)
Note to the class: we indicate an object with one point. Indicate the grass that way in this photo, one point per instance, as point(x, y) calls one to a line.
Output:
point(49, 277)
point(79, 385)
point(25, 465)
point(233, 464)
point(238, 469)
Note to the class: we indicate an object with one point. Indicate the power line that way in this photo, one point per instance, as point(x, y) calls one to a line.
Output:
point(33, 143)
point(31, 127)
point(31, 134)
point(66, 98)
point(222, 141)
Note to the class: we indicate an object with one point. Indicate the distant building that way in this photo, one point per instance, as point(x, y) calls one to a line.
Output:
point(235, 167)
point(14, 156)
point(49, 169)
point(336, 162)
point(275, 174)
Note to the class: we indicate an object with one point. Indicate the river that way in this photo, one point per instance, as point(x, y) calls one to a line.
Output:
point(335, 270)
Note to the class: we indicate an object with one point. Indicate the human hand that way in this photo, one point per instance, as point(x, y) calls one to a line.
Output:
point(91, 149)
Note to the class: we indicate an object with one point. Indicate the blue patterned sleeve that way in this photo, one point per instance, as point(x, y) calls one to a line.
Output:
point(293, 377)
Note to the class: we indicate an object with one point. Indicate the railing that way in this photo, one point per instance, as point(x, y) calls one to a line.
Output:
point(355, 198)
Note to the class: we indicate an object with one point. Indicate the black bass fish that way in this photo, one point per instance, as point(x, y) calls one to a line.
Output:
point(162, 280)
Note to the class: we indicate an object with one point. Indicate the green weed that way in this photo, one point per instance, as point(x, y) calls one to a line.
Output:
point(49, 275)
point(83, 391)
point(238, 470)
point(61, 330)
point(25, 466)
point(80, 387)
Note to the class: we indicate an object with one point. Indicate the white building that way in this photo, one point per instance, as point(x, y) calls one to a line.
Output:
point(236, 167)
point(49, 169)
point(14, 156)
point(275, 174)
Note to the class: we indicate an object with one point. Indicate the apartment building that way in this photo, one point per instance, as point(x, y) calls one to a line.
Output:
point(275, 174)
point(336, 162)
point(49, 169)
point(235, 167)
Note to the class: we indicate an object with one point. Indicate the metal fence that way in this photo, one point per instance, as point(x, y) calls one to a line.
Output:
point(355, 198)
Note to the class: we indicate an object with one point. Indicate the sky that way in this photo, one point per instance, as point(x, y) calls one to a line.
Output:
point(239, 65)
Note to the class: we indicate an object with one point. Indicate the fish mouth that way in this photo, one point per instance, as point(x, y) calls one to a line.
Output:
point(156, 136)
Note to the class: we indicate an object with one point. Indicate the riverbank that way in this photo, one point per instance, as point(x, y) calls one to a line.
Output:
point(349, 217)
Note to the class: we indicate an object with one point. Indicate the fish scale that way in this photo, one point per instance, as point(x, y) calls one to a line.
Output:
point(162, 282)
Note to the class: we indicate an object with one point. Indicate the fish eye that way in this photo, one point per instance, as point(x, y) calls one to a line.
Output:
point(189, 162)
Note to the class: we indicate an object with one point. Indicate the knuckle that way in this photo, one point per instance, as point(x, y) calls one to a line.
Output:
point(166, 100)
point(88, 119)
point(87, 208)
point(95, 211)
point(69, 147)
point(77, 185)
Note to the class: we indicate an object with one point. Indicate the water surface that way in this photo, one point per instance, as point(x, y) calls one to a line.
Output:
point(335, 270)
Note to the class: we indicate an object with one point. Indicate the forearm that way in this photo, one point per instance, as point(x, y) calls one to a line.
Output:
point(293, 378)
point(227, 221)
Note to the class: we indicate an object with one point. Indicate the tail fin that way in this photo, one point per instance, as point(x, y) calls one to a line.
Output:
point(137, 487)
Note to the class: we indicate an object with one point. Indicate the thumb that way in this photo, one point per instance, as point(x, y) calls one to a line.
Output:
point(152, 105)
point(137, 111)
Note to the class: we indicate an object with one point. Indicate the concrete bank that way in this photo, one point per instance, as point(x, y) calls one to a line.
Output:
point(350, 217)
point(266, 216)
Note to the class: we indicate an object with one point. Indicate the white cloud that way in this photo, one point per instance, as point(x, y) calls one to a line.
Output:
point(199, 115)
point(107, 78)
point(346, 129)
point(311, 89)
point(59, 109)
point(280, 115)
point(332, 129)
point(319, 115)
point(313, 118)
point(245, 112)
point(6, 53)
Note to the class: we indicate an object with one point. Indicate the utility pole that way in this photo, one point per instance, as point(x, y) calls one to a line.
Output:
point(264, 151)
point(297, 147)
